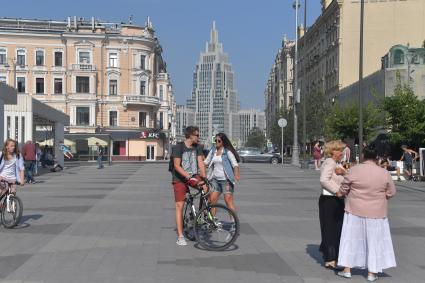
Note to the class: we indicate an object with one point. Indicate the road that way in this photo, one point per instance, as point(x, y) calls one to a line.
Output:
point(117, 225)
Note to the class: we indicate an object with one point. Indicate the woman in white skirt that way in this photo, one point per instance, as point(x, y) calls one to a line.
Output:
point(366, 238)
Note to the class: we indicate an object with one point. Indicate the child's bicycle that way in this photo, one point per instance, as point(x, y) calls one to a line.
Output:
point(214, 226)
point(10, 206)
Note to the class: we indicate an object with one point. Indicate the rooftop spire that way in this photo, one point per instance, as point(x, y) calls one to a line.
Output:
point(214, 34)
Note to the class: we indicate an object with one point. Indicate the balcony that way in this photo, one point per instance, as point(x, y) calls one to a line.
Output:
point(141, 100)
point(83, 67)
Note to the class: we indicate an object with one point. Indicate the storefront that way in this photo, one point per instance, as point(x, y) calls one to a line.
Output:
point(149, 145)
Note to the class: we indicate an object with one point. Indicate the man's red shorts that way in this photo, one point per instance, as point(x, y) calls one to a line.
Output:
point(180, 190)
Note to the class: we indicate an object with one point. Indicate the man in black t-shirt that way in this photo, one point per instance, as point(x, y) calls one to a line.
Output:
point(187, 161)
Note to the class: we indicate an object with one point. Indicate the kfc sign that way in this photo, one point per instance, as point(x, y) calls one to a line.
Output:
point(147, 135)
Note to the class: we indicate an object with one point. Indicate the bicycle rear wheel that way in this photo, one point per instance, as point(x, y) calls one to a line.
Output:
point(188, 219)
point(216, 227)
point(11, 212)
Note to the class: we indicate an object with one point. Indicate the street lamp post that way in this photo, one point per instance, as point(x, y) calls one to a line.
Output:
point(361, 82)
point(305, 96)
point(295, 147)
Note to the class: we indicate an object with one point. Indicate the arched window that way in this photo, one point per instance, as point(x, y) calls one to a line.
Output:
point(398, 57)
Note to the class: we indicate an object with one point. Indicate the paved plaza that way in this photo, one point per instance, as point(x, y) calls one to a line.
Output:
point(117, 225)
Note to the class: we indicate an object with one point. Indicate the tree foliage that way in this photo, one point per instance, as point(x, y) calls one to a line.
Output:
point(405, 117)
point(343, 121)
point(256, 139)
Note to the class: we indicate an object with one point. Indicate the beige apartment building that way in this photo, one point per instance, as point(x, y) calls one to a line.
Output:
point(329, 50)
point(278, 93)
point(110, 79)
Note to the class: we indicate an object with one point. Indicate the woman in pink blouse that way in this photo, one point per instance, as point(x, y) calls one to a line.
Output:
point(366, 238)
point(331, 207)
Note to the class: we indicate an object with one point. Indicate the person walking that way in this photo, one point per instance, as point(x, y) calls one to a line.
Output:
point(186, 163)
point(99, 152)
point(317, 154)
point(11, 165)
point(29, 156)
point(331, 207)
point(408, 157)
point(366, 238)
point(37, 158)
point(222, 162)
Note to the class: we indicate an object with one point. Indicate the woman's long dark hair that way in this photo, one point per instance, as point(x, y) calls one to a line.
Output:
point(228, 145)
point(4, 151)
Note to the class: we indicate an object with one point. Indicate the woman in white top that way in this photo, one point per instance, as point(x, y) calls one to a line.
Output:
point(331, 207)
point(11, 165)
point(223, 170)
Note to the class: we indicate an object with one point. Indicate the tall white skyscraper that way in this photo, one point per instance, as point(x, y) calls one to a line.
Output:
point(214, 98)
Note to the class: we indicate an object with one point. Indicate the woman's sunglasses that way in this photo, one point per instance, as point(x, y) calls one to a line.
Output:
point(217, 141)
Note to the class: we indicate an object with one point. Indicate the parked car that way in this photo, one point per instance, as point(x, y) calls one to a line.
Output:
point(257, 155)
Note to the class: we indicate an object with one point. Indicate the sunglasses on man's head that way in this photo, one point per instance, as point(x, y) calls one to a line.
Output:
point(196, 135)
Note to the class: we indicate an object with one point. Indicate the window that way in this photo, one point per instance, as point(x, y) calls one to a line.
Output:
point(83, 116)
point(84, 57)
point(83, 85)
point(39, 58)
point(113, 118)
point(16, 127)
point(113, 87)
point(3, 60)
point(20, 58)
point(142, 119)
point(58, 86)
point(39, 85)
point(21, 84)
point(23, 129)
point(143, 62)
point(398, 57)
point(161, 120)
point(142, 87)
point(3, 79)
point(161, 92)
point(113, 60)
point(58, 58)
point(9, 126)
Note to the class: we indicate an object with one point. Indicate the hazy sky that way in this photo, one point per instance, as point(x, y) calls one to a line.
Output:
point(251, 32)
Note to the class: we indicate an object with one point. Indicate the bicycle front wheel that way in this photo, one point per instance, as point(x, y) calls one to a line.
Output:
point(216, 227)
point(188, 219)
point(11, 212)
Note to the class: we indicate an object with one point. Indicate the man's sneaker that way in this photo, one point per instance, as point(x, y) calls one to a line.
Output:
point(181, 241)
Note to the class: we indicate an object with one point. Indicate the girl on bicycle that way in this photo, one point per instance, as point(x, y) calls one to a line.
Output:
point(11, 164)
point(222, 162)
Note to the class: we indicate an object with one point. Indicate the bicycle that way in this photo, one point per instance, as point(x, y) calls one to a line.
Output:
point(10, 206)
point(214, 226)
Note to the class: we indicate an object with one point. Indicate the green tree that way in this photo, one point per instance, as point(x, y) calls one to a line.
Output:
point(256, 139)
point(405, 117)
point(343, 121)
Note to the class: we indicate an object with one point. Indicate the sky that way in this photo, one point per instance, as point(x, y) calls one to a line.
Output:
point(251, 32)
